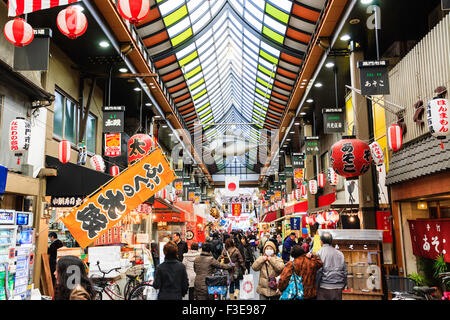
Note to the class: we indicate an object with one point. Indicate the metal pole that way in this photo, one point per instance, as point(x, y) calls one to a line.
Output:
point(377, 24)
point(336, 85)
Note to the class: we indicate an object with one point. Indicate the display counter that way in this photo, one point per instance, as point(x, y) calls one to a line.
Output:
point(362, 252)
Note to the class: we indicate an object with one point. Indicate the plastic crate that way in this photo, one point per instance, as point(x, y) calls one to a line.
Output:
point(400, 284)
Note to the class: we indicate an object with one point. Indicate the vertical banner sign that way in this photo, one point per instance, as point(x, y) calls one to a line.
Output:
point(374, 77)
point(430, 238)
point(333, 120)
point(119, 197)
point(312, 146)
point(384, 223)
point(112, 145)
point(236, 209)
point(295, 223)
point(113, 119)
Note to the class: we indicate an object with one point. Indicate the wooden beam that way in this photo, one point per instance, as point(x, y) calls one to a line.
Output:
point(137, 75)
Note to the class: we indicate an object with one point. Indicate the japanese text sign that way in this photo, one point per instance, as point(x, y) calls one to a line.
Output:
point(383, 223)
point(312, 146)
point(120, 196)
point(112, 145)
point(430, 237)
point(374, 77)
point(113, 119)
point(236, 209)
point(295, 223)
point(333, 120)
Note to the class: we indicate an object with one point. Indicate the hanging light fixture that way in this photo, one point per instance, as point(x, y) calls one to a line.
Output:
point(350, 157)
point(64, 151)
point(134, 10)
point(395, 137)
point(18, 32)
point(72, 22)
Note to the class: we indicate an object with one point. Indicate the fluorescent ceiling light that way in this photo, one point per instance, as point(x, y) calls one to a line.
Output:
point(303, 113)
point(148, 104)
point(104, 44)
point(318, 85)
point(310, 100)
point(345, 37)
point(123, 70)
point(329, 65)
point(297, 123)
point(366, 1)
point(137, 89)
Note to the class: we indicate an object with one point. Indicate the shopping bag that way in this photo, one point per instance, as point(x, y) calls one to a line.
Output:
point(247, 288)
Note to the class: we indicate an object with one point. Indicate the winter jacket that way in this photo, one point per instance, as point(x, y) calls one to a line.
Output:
point(204, 266)
point(182, 249)
point(287, 246)
point(79, 293)
point(236, 258)
point(270, 268)
point(188, 262)
point(217, 248)
point(307, 269)
point(248, 252)
point(333, 274)
point(171, 279)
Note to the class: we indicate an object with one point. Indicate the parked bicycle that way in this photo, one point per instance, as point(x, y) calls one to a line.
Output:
point(406, 289)
point(104, 285)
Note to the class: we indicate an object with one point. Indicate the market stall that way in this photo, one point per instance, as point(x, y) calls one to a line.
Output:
point(362, 251)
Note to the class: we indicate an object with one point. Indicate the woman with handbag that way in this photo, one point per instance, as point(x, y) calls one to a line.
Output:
point(270, 267)
point(232, 255)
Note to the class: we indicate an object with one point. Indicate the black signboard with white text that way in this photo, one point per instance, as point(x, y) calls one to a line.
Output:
point(445, 4)
point(333, 120)
point(113, 119)
point(298, 160)
point(312, 146)
point(374, 77)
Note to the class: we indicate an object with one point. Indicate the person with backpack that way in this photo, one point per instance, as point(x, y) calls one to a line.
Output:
point(306, 266)
point(288, 243)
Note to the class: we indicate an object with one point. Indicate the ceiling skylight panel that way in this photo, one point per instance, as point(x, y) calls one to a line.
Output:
point(266, 64)
point(198, 25)
point(194, 4)
point(207, 48)
point(178, 27)
point(267, 47)
point(251, 37)
point(216, 6)
point(195, 78)
point(286, 5)
point(168, 6)
point(253, 21)
point(221, 22)
point(202, 10)
point(204, 37)
point(198, 89)
point(275, 25)
point(238, 5)
point(251, 8)
point(190, 66)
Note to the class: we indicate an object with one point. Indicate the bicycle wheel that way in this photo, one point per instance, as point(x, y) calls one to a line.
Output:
point(129, 286)
point(141, 292)
point(114, 287)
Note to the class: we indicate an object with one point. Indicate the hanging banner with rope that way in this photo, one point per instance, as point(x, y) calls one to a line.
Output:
point(19, 7)
point(113, 201)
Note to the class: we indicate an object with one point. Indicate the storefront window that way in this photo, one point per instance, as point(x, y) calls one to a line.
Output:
point(70, 125)
point(58, 115)
point(91, 133)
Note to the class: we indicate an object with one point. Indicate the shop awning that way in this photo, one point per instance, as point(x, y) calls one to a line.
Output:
point(327, 199)
point(270, 216)
point(165, 211)
point(296, 208)
point(72, 179)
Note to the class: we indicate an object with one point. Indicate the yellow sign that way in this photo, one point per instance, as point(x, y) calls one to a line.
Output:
point(115, 200)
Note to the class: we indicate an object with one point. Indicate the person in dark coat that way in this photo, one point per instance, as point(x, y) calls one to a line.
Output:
point(289, 242)
point(249, 257)
point(217, 246)
point(182, 246)
point(52, 253)
point(170, 276)
point(204, 266)
point(237, 262)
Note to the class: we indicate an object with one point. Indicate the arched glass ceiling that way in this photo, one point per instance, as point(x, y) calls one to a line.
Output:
point(230, 61)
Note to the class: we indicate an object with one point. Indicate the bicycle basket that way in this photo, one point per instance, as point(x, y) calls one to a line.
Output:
point(134, 271)
point(400, 284)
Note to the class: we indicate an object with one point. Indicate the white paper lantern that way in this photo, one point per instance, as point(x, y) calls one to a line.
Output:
point(321, 180)
point(97, 163)
point(377, 153)
point(439, 118)
point(19, 136)
point(312, 186)
point(332, 177)
point(320, 219)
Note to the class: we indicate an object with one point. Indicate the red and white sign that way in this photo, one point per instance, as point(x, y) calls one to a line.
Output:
point(19, 135)
point(395, 137)
point(19, 7)
point(112, 145)
point(18, 32)
point(232, 186)
point(72, 22)
point(236, 209)
point(438, 112)
point(430, 237)
point(304, 189)
point(115, 170)
point(64, 151)
point(321, 180)
point(384, 223)
point(332, 177)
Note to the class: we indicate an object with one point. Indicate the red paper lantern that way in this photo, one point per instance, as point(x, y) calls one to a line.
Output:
point(350, 157)
point(134, 10)
point(304, 189)
point(64, 151)
point(72, 22)
point(115, 170)
point(138, 147)
point(395, 137)
point(321, 180)
point(18, 32)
